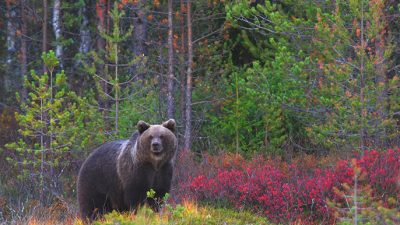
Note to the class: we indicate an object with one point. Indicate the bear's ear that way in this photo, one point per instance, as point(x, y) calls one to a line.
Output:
point(170, 124)
point(142, 126)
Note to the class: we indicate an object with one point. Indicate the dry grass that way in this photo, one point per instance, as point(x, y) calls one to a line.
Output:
point(60, 212)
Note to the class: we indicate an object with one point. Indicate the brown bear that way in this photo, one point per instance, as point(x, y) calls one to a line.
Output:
point(118, 174)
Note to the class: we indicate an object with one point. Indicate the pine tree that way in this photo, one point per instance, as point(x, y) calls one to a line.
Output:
point(54, 123)
point(115, 75)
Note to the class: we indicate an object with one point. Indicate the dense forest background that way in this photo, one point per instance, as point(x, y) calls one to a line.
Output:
point(276, 78)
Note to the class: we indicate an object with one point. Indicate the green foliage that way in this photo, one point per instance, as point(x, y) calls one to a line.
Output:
point(54, 123)
point(70, 18)
point(303, 75)
point(260, 102)
point(151, 193)
point(183, 214)
point(238, 125)
point(352, 91)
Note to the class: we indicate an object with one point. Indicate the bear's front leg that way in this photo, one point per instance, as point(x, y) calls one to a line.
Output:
point(134, 197)
point(162, 186)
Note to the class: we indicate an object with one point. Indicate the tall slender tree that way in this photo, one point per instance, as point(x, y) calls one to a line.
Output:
point(140, 35)
point(182, 79)
point(188, 94)
point(101, 13)
point(171, 77)
point(24, 46)
point(112, 76)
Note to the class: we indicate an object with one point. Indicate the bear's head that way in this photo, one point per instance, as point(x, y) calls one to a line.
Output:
point(157, 143)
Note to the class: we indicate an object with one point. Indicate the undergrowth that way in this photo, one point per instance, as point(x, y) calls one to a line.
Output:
point(310, 190)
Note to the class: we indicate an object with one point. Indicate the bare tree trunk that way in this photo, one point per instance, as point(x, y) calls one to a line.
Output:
point(183, 55)
point(140, 26)
point(57, 31)
point(362, 84)
point(11, 45)
point(140, 36)
point(24, 48)
point(188, 103)
point(171, 77)
point(44, 30)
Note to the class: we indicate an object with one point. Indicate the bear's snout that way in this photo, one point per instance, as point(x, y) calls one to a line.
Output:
point(156, 145)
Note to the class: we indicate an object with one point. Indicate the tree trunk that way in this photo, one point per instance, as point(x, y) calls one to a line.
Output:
point(101, 12)
point(24, 48)
point(171, 77)
point(363, 110)
point(44, 31)
point(188, 103)
point(182, 58)
point(11, 45)
point(140, 36)
point(57, 31)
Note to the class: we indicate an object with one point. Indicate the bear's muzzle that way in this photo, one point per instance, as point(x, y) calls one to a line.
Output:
point(156, 146)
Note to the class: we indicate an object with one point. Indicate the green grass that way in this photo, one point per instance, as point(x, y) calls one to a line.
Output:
point(187, 213)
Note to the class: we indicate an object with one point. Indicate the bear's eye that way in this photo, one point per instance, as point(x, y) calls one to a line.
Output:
point(151, 136)
point(161, 136)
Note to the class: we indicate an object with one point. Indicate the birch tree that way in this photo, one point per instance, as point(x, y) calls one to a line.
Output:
point(58, 31)
point(11, 42)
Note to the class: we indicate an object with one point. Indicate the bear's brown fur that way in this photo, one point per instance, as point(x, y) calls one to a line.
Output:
point(117, 175)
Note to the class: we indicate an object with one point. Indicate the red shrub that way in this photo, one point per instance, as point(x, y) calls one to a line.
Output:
point(286, 193)
point(381, 170)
